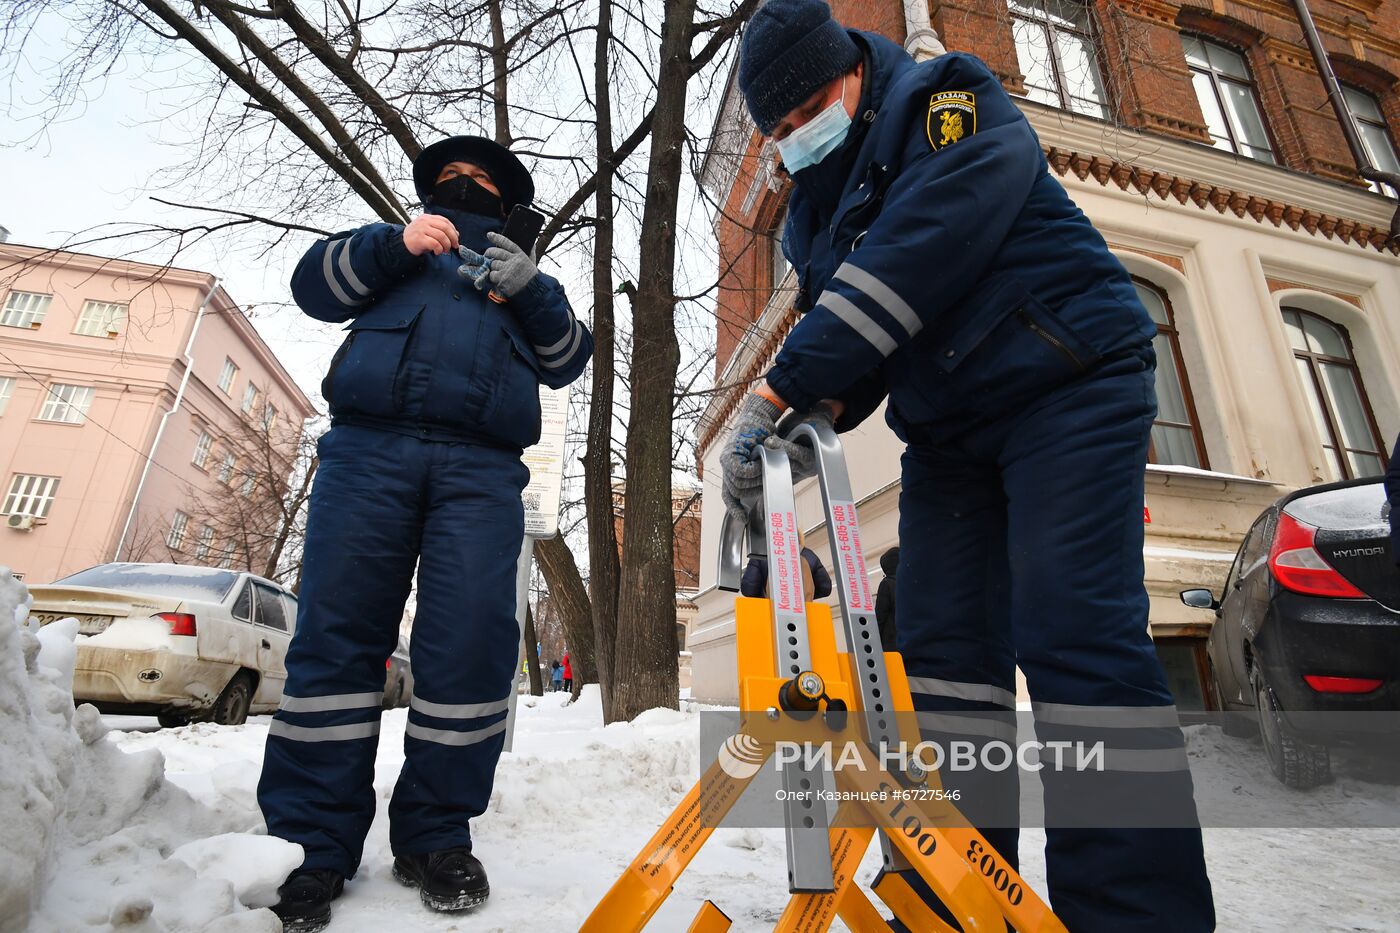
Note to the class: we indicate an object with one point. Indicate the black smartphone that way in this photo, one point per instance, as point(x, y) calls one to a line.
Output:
point(523, 226)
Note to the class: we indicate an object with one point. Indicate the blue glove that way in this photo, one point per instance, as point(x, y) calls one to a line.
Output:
point(743, 472)
point(475, 267)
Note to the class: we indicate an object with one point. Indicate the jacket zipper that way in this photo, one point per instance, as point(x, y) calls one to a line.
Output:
point(1051, 339)
point(871, 179)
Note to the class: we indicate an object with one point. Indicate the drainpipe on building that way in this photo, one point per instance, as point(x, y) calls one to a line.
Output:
point(921, 41)
point(165, 418)
point(1339, 105)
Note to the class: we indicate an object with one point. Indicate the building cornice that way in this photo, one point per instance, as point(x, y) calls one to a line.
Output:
point(1209, 178)
point(87, 262)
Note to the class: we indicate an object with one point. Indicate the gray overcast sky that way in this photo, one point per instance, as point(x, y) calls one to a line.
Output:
point(96, 168)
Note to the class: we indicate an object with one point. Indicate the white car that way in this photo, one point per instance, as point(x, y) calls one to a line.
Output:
point(173, 640)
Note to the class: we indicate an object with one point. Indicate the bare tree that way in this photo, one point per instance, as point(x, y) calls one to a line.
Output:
point(299, 106)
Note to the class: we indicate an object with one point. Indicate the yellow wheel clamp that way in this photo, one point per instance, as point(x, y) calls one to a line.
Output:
point(794, 686)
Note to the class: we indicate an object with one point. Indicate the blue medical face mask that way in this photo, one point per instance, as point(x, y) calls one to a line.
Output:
point(818, 138)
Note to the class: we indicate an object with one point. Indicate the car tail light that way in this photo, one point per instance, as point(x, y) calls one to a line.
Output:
point(181, 623)
point(386, 664)
point(1298, 566)
point(1325, 684)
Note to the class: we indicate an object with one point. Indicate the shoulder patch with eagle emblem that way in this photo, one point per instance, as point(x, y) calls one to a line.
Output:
point(952, 115)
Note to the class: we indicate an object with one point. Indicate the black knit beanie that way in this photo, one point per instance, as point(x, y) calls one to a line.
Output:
point(790, 49)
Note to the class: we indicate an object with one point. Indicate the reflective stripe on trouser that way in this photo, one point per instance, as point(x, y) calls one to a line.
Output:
point(1021, 542)
point(378, 502)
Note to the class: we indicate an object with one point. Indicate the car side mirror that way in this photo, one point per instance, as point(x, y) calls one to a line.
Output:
point(1199, 599)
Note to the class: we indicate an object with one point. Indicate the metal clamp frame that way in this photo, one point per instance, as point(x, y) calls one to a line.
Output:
point(855, 600)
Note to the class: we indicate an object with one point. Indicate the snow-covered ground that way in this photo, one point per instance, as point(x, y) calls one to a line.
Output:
point(139, 829)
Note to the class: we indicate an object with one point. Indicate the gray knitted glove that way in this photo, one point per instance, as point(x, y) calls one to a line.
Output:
point(743, 472)
point(801, 456)
point(511, 267)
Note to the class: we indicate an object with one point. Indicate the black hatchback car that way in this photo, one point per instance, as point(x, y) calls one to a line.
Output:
point(1309, 627)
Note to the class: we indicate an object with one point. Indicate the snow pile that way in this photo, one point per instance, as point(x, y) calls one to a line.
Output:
point(99, 838)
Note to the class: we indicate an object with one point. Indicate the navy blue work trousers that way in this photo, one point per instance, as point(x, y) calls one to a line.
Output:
point(1021, 543)
point(381, 505)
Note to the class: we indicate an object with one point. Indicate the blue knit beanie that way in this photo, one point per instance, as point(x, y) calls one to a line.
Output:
point(790, 49)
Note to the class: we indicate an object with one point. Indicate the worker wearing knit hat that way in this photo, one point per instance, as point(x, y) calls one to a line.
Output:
point(791, 48)
point(944, 273)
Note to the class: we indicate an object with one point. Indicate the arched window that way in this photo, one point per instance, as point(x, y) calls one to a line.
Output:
point(1228, 100)
point(1057, 52)
point(1176, 434)
point(1332, 383)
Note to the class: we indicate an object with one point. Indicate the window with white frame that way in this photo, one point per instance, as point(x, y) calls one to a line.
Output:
point(176, 539)
point(1057, 52)
point(269, 417)
point(204, 543)
point(67, 404)
point(1225, 90)
point(7, 388)
point(101, 319)
point(226, 467)
point(201, 449)
point(226, 555)
point(226, 377)
point(249, 481)
point(250, 397)
point(25, 309)
point(1375, 134)
point(31, 495)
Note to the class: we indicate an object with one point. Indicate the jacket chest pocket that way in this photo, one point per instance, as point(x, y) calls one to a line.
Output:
point(364, 373)
point(1008, 350)
point(504, 395)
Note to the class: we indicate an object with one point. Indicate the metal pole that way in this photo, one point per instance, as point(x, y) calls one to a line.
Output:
point(522, 605)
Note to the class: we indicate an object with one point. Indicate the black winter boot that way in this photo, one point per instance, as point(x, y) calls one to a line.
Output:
point(448, 880)
point(304, 900)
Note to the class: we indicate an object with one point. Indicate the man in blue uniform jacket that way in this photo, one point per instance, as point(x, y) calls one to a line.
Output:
point(433, 395)
point(941, 265)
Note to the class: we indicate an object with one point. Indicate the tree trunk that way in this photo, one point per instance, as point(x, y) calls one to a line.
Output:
point(532, 654)
point(645, 658)
point(570, 598)
point(500, 70)
point(597, 459)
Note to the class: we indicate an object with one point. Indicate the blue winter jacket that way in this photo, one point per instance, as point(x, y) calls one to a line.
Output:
point(951, 270)
point(429, 355)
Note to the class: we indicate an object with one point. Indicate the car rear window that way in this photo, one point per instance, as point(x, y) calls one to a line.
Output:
point(202, 583)
point(1351, 508)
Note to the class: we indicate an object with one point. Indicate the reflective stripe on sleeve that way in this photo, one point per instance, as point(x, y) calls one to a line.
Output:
point(564, 360)
point(882, 295)
point(571, 334)
point(859, 321)
point(350, 275)
point(328, 270)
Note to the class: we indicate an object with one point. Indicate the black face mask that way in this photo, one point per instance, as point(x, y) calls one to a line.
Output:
point(464, 194)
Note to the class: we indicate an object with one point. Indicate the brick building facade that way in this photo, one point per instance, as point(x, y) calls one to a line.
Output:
point(1200, 141)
